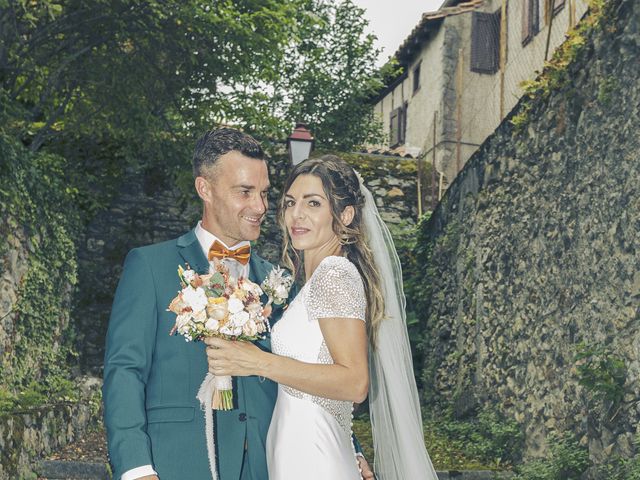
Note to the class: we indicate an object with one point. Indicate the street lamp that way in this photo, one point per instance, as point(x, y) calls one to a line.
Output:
point(300, 143)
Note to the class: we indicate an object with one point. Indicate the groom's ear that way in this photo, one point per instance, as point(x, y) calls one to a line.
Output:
point(203, 187)
point(347, 215)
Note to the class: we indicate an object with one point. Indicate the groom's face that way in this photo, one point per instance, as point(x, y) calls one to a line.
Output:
point(234, 192)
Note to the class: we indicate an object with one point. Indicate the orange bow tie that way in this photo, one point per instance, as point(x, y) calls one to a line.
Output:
point(218, 250)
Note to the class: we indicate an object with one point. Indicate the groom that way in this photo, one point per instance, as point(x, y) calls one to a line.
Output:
point(155, 427)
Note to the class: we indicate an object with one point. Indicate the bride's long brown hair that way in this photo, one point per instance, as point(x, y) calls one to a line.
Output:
point(342, 189)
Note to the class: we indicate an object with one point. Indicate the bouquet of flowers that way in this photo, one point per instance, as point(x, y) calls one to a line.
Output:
point(218, 305)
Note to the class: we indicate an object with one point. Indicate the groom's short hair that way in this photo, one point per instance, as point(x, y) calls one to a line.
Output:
point(219, 141)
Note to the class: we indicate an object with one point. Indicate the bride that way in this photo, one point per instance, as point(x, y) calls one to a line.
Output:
point(343, 337)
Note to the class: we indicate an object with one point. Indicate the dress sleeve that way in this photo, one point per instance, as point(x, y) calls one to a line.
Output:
point(336, 291)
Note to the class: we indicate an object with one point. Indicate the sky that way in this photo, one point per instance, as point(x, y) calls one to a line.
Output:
point(392, 21)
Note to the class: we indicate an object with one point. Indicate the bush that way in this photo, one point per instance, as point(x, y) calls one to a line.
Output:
point(489, 438)
point(619, 468)
point(486, 442)
point(52, 389)
point(567, 461)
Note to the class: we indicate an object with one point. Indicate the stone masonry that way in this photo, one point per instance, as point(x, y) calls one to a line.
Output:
point(534, 256)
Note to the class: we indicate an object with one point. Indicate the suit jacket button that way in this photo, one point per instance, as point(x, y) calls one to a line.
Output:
point(242, 417)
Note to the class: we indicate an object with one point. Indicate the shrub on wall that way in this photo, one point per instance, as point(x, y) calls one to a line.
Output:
point(39, 218)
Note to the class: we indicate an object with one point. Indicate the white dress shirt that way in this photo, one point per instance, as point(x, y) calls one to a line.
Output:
point(206, 239)
point(236, 269)
point(138, 472)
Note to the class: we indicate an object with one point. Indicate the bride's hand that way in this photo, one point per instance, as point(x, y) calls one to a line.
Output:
point(236, 358)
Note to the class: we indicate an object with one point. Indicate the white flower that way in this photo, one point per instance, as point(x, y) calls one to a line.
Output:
point(240, 318)
point(227, 329)
point(195, 298)
point(250, 329)
point(188, 275)
point(200, 317)
point(217, 310)
point(254, 308)
point(277, 285)
point(248, 286)
point(212, 324)
point(282, 292)
point(182, 321)
point(235, 305)
point(230, 329)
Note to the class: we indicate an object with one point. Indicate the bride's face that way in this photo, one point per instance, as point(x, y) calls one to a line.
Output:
point(308, 216)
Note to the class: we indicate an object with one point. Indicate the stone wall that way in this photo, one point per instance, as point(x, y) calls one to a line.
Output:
point(38, 225)
point(29, 434)
point(34, 308)
point(533, 258)
point(147, 210)
point(39, 222)
point(151, 209)
point(15, 266)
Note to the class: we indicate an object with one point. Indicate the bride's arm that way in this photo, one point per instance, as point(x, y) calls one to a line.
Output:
point(346, 379)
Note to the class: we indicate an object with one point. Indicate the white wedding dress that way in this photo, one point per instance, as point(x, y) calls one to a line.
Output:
point(310, 437)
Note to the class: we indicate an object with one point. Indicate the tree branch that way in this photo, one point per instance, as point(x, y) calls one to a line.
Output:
point(42, 134)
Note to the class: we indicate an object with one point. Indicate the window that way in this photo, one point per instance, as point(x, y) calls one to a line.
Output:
point(416, 78)
point(530, 20)
point(485, 42)
point(398, 126)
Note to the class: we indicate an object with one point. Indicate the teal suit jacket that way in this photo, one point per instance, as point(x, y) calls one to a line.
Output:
point(151, 378)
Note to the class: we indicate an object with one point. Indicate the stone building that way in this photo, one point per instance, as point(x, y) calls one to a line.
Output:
point(463, 68)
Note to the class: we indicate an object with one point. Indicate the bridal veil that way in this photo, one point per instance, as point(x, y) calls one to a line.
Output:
point(394, 407)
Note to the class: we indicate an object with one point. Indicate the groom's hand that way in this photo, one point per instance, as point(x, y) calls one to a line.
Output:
point(365, 469)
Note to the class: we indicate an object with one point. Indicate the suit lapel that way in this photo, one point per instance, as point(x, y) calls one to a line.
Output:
point(191, 251)
point(257, 267)
point(258, 272)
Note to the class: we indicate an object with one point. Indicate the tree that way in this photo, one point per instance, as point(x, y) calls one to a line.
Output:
point(147, 75)
point(133, 70)
point(331, 77)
